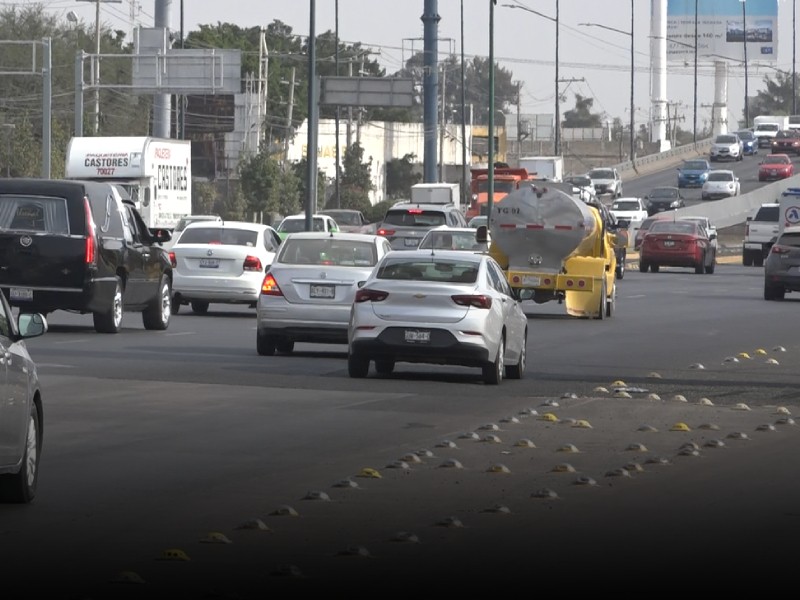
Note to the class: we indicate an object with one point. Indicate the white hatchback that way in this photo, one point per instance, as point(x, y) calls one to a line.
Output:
point(221, 263)
point(438, 307)
point(721, 183)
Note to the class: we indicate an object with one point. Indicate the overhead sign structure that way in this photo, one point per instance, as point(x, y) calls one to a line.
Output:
point(721, 30)
point(395, 92)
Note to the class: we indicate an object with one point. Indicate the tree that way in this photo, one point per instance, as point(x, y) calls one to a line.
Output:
point(267, 187)
point(582, 115)
point(300, 169)
point(775, 99)
point(204, 198)
point(356, 180)
point(400, 176)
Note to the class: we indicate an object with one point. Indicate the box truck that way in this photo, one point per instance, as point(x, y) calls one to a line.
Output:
point(436, 193)
point(550, 168)
point(154, 172)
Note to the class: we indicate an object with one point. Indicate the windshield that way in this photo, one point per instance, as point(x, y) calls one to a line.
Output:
point(346, 217)
point(601, 174)
point(720, 176)
point(500, 187)
point(673, 227)
point(777, 159)
point(726, 139)
point(414, 217)
point(626, 205)
point(328, 251)
point(295, 225)
point(695, 165)
point(581, 182)
point(789, 239)
point(663, 193)
point(767, 127)
point(451, 240)
point(746, 135)
point(786, 134)
point(451, 271)
point(219, 235)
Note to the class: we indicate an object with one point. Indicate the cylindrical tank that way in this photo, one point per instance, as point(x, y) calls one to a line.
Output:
point(539, 226)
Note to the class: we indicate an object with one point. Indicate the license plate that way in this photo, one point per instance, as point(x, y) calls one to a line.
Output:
point(773, 172)
point(531, 280)
point(669, 243)
point(323, 291)
point(415, 336)
point(20, 294)
point(209, 263)
point(411, 242)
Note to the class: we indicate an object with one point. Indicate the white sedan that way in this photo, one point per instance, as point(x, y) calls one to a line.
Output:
point(221, 263)
point(307, 293)
point(721, 183)
point(438, 307)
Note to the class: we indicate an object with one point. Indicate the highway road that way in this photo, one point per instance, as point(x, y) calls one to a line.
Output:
point(161, 446)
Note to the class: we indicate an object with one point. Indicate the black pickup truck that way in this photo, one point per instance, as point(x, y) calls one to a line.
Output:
point(79, 246)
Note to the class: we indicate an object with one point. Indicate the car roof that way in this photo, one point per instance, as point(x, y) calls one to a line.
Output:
point(421, 205)
point(453, 229)
point(721, 171)
point(623, 198)
point(317, 215)
point(792, 229)
point(228, 225)
point(427, 253)
point(350, 237)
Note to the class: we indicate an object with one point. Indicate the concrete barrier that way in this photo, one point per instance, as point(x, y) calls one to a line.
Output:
point(653, 162)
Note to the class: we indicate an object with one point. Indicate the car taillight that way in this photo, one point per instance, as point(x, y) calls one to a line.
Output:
point(172, 260)
point(269, 287)
point(385, 232)
point(90, 246)
point(368, 295)
point(474, 300)
point(252, 263)
point(779, 249)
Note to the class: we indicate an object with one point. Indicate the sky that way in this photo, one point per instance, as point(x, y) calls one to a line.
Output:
point(598, 58)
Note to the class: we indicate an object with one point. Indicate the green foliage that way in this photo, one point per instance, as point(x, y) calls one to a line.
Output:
point(400, 176)
point(775, 99)
point(582, 115)
point(300, 170)
point(355, 172)
point(267, 188)
point(352, 197)
point(234, 205)
point(204, 198)
point(377, 211)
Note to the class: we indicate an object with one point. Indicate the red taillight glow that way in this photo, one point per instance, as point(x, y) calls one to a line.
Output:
point(385, 232)
point(779, 249)
point(90, 247)
point(172, 260)
point(252, 263)
point(269, 287)
point(415, 211)
point(368, 295)
point(474, 300)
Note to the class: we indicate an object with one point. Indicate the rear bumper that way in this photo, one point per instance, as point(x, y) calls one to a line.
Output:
point(668, 259)
point(442, 349)
point(95, 296)
point(790, 282)
point(303, 322)
point(228, 290)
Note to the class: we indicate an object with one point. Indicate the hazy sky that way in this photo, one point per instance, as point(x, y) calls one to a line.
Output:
point(523, 43)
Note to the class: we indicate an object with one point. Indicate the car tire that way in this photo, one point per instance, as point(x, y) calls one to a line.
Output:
point(713, 266)
point(199, 307)
point(284, 346)
point(700, 267)
point(266, 344)
point(643, 266)
point(111, 320)
point(654, 268)
point(156, 316)
point(611, 302)
point(357, 366)
point(494, 370)
point(773, 292)
point(758, 259)
point(517, 371)
point(747, 258)
point(384, 366)
point(20, 487)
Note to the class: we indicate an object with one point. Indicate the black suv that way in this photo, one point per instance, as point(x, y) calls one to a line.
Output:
point(79, 246)
point(406, 223)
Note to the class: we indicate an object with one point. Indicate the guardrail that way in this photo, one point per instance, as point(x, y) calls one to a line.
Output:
point(674, 155)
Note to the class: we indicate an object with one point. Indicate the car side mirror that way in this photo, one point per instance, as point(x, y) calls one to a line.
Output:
point(360, 284)
point(161, 235)
point(749, 218)
point(31, 325)
point(712, 236)
point(482, 234)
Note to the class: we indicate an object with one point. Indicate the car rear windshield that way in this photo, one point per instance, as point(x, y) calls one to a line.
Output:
point(414, 217)
point(777, 159)
point(219, 235)
point(328, 251)
point(295, 225)
point(34, 213)
point(449, 271)
point(500, 187)
point(601, 174)
point(767, 213)
point(663, 193)
point(346, 218)
point(789, 239)
point(626, 205)
point(695, 165)
point(720, 176)
point(451, 240)
point(768, 127)
point(673, 227)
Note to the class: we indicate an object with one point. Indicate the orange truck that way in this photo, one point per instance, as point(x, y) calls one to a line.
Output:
point(506, 180)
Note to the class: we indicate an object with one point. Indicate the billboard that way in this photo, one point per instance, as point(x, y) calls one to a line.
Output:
point(722, 28)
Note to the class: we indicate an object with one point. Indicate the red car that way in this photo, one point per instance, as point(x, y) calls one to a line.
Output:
point(775, 166)
point(644, 226)
point(677, 244)
point(786, 141)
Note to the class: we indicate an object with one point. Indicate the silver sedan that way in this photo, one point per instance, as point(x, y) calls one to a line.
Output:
point(307, 292)
point(438, 307)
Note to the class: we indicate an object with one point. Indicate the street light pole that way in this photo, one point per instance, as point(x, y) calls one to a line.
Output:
point(632, 108)
point(490, 174)
point(794, 46)
point(744, 41)
point(694, 114)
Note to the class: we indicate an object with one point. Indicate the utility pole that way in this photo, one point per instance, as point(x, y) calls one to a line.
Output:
point(96, 61)
point(349, 135)
point(519, 133)
point(443, 123)
point(289, 113)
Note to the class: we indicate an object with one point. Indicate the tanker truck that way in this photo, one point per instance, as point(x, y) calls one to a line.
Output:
point(554, 246)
